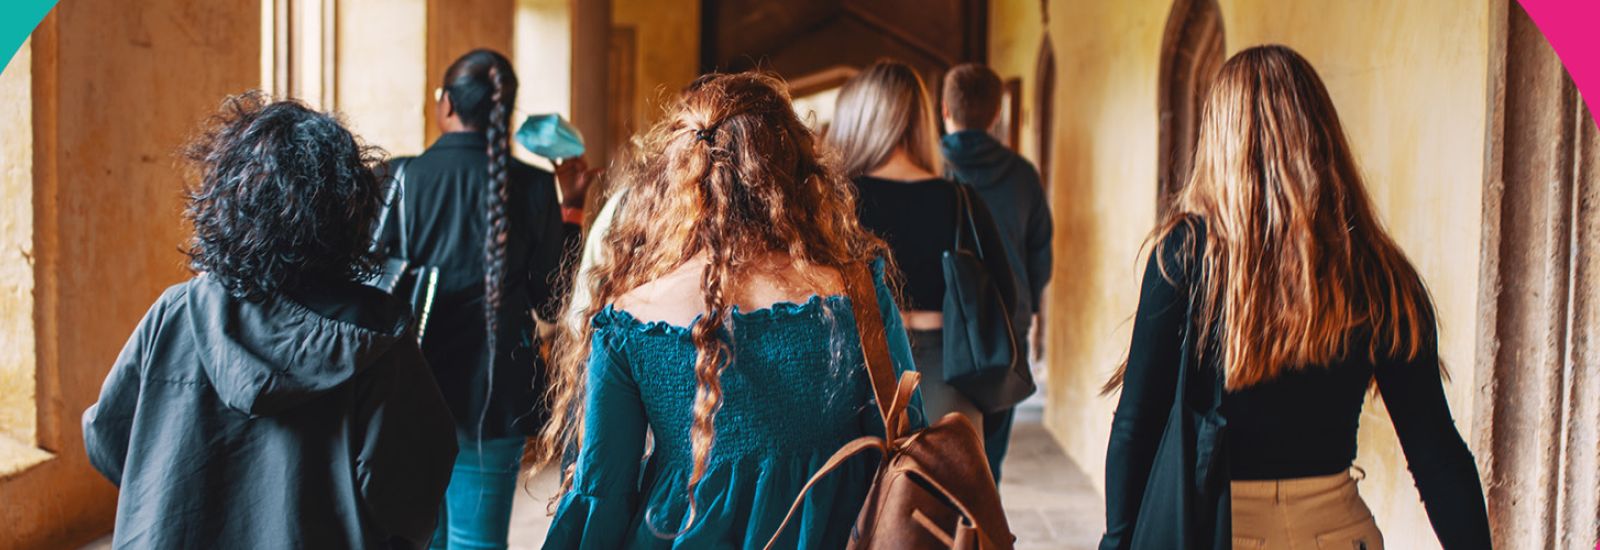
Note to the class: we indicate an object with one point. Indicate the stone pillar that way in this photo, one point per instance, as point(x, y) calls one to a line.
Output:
point(1539, 307)
point(117, 88)
point(591, 39)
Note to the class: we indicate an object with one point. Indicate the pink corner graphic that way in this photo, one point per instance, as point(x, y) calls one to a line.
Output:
point(1570, 26)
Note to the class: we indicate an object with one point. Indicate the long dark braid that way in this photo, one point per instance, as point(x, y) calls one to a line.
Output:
point(482, 88)
point(494, 244)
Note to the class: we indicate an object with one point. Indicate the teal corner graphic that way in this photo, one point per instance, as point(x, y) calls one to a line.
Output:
point(17, 20)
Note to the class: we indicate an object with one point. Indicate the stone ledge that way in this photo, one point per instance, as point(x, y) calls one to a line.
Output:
point(17, 456)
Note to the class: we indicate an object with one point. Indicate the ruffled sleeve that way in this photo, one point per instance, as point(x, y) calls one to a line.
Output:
point(899, 344)
point(605, 487)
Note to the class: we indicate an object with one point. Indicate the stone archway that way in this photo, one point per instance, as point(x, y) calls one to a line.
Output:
point(1191, 53)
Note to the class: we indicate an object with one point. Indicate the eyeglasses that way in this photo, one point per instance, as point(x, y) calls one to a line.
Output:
point(438, 94)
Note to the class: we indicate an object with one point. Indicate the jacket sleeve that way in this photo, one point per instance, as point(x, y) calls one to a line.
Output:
point(1149, 384)
point(1439, 460)
point(1039, 257)
point(108, 423)
point(599, 508)
point(407, 448)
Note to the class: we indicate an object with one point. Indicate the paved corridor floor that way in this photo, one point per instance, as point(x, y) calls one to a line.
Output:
point(1048, 499)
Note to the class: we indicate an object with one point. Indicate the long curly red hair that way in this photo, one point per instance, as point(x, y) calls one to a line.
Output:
point(730, 175)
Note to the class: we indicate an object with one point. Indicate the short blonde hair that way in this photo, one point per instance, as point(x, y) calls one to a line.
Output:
point(883, 108)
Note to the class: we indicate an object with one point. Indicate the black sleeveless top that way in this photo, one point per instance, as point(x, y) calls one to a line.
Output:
point(917, 219)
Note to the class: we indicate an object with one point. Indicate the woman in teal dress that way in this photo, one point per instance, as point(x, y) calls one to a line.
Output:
point(717, 366)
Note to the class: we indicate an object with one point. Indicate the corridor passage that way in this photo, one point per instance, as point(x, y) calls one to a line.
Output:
point(1049, 501)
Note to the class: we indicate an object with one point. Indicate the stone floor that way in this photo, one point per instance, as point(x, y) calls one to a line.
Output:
point(1049, 501)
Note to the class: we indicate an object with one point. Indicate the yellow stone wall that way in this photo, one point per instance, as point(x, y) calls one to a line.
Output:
point(542, 55)
point(17, 411)
point(116, 88)
point(381, 88)
point(1409, 80)
point(668, 50)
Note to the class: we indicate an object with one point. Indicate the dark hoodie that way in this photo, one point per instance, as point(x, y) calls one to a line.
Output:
point(310, 422)
point(1009, 184)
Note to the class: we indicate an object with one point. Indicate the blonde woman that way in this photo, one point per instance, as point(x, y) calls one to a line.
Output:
point(1301, 303)
point(887, 138)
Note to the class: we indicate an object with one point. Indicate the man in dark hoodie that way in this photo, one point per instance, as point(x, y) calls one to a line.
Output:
point(1010, 186)
point(272, 401)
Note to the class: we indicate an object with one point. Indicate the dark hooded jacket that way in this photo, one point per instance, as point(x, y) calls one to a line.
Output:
point(1010, 186)
point(444, 196)
point(303, 422)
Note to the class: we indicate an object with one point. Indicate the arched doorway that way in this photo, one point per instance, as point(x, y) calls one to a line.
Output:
point(1044, 79)
point(1191, 53)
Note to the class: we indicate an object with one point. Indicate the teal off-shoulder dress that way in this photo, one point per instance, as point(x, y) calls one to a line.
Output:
point(795, 392)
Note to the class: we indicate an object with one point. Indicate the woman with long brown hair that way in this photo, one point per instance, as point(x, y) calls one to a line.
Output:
point(885, 131)
point(718, 323)
point(1300, 301)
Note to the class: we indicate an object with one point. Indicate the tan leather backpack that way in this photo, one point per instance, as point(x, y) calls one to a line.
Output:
point(933, 489)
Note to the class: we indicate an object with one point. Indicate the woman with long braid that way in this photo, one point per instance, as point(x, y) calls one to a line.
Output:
point(492, 226)
point(719, 323)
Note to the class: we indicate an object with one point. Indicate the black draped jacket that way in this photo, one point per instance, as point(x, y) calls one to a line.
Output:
point(445, 190)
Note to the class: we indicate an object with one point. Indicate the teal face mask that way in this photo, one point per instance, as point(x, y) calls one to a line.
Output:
point(551, 137)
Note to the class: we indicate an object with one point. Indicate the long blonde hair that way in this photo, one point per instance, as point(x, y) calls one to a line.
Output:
point(732, 174)
point(1295, 260)
point(883, 108)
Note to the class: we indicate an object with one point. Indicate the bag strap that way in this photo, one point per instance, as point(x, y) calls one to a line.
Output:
point(1193, 360)
point(893, 396)
point(393, 197)
point(850, 450)
point(400, 188)
point(966, 226)
point(874, 341)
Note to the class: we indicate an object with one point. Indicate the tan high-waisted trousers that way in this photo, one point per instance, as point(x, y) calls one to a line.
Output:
point(1307, 513)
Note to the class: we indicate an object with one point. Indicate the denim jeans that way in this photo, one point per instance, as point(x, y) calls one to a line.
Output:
point(476, 512)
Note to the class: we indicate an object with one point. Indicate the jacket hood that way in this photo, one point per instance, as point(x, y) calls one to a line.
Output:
point(267, 357)
point(976, 158)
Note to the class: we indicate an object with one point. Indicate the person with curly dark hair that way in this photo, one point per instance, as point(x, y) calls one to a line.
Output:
point(273, 401)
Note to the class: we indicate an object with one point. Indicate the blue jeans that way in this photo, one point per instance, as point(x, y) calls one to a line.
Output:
point(476, 512)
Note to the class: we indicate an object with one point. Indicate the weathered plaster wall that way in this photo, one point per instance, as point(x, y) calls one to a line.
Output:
point(385, 88)
point(668, 50)
point(455, 28)
point(382, 89)
point(542, 54)
point(1103, 199)
point(1015, 29)
point(17, 418)
point(1409, 80)
point(117, 87)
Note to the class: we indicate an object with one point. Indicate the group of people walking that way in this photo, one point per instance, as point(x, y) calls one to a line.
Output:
point(708, 360)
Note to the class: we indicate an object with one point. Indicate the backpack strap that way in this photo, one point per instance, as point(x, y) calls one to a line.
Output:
point(874, 343)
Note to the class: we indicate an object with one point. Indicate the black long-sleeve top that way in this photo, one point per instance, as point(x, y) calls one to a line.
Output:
point(1300, 424)
point(445, 190)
